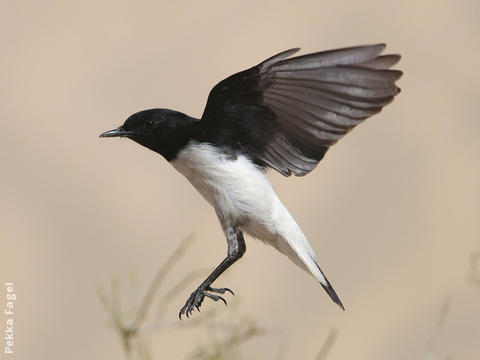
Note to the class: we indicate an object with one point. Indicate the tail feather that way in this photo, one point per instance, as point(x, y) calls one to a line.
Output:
point(302, 254)
point(290, 241)
point(330, 291)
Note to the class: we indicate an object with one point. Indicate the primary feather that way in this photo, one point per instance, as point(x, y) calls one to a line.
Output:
point(304, 104)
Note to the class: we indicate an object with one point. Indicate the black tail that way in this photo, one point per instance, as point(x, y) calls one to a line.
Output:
point(330, 291)
point(333, 295)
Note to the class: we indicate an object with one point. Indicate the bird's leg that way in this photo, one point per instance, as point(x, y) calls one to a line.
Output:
point(236, 248)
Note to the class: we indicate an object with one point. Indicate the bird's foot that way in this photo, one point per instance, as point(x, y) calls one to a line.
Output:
point(196, 299)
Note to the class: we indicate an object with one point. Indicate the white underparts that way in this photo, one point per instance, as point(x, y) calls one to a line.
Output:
point(243, 197)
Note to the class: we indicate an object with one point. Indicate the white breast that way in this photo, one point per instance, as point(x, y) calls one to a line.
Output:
point(235, 187)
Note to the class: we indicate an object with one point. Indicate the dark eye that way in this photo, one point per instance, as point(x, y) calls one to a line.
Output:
point(149, 125)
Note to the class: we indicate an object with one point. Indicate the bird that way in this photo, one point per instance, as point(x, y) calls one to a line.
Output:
point(282, 114)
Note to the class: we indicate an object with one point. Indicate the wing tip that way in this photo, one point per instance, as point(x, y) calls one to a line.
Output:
point(265, 64)
point(380, 45)
point(395, 59)
point(397, 73)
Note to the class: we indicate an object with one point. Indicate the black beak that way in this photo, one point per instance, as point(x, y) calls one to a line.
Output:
point(120, 132)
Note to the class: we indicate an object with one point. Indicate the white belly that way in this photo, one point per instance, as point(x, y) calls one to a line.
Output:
point(244, 198)
point(236, 188)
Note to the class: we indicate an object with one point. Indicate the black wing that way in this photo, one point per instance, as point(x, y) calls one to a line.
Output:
point(286, 112)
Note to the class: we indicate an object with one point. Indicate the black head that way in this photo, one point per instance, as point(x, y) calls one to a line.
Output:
point(161, 130)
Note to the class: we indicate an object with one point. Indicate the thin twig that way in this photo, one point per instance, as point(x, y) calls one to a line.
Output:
point(327, 345)
point(131, 341)
point(162, 272)
point(433, 340)
point(474, 273)
point(282, 348)
point(236, 337)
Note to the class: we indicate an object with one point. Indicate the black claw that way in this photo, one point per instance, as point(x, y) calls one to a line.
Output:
point(182, 311)
point(196, 299)
point(230, 291)
point(220, 290)
point(215, 297)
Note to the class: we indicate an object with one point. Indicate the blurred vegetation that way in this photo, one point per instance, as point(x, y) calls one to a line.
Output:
point(225, 338)
point(474, 271)
point(473, 277)
point(437, 329)
point(135, 325)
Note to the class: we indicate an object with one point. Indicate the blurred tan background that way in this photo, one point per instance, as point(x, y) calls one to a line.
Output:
point(392, 211)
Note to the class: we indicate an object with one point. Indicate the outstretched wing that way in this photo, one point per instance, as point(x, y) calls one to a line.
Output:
point(286, 112)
